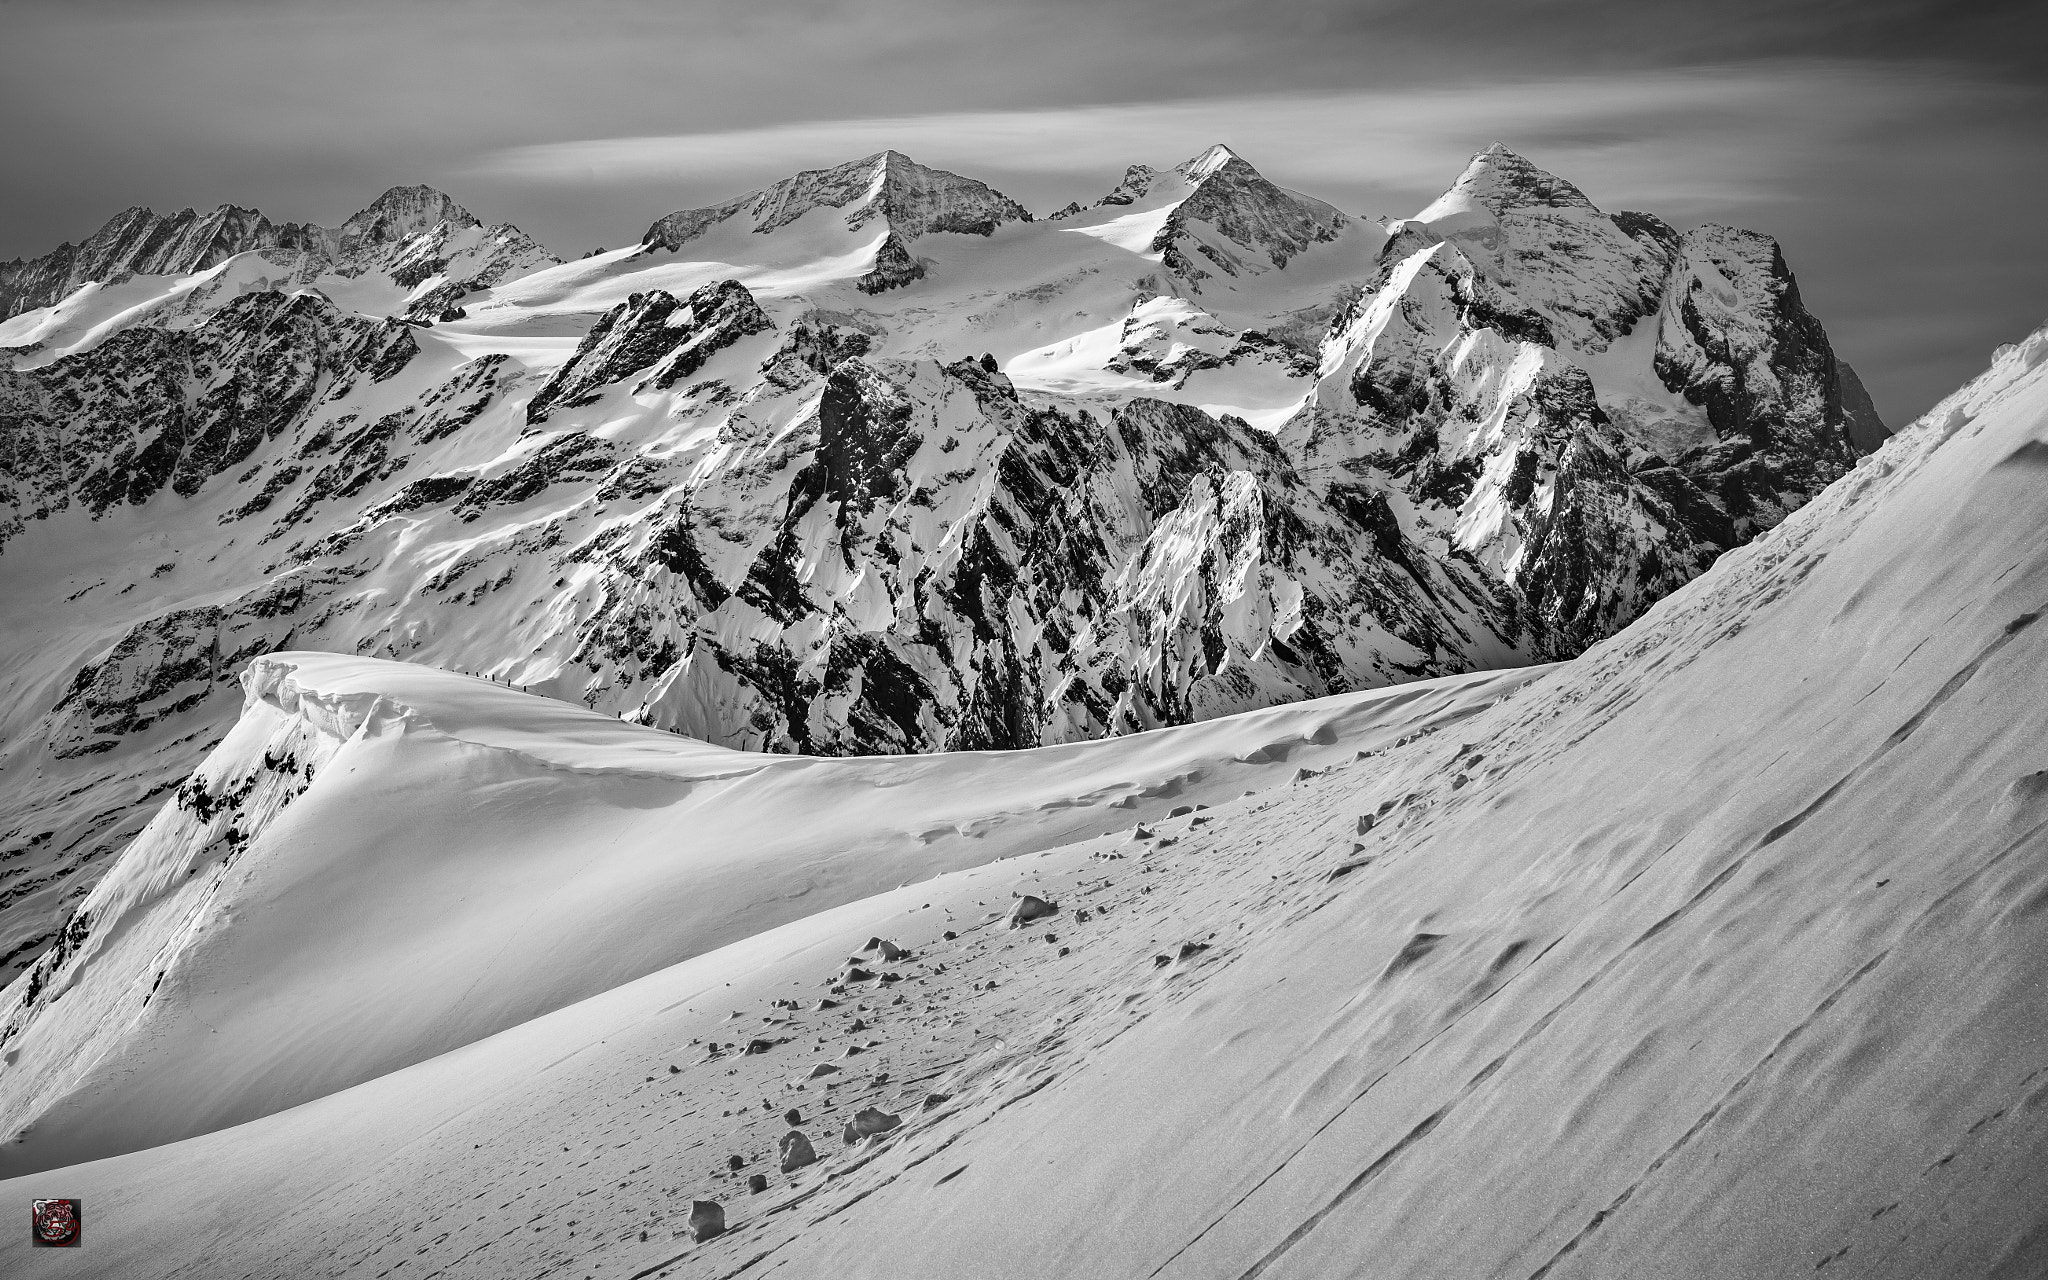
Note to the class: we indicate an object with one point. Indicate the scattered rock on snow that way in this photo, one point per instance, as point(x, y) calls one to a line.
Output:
point(796, 1151)
point(1030, 907)
point(707, 1219)
point(867, 1122)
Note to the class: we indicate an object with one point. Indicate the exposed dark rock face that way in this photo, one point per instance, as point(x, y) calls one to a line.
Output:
point(1246, 210)
point(894, 267)
point(1734, 339)
point(1867, 431)
point(819, 340)
point(400, 214)
point(1470, 374)
point(152, 409)
point(1028, 576)
point(668, 338)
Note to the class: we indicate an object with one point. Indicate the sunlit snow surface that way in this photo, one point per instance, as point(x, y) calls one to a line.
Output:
point(1714, 952)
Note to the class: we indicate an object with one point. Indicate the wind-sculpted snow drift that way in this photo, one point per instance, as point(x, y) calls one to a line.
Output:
point(1714, 951)
point(311, 805)
point(868, 461)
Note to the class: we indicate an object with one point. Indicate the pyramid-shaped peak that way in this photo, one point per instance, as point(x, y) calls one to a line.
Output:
point(1499, 180)
point(403, 212)
point(914, 199)
point(1215, 159)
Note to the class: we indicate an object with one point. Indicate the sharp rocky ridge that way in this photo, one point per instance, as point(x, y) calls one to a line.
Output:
point(869, 461)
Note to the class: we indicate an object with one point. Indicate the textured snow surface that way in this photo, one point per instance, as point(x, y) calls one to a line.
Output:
point(583, 853)
point(1715, 951)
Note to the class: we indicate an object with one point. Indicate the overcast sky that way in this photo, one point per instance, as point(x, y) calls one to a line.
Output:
point(1899, 150)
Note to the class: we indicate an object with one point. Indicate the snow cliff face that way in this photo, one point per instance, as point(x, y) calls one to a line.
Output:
point(869, 461)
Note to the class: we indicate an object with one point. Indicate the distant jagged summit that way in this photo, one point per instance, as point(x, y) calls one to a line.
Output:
point(1238, 201)
point(1247, 217)
point(913, 199)
point(141, 241)
point(1500, 181)
point(403, 212)
point(144, 241)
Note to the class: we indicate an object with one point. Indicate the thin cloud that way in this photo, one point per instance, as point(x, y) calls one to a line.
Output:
point(1695, 140)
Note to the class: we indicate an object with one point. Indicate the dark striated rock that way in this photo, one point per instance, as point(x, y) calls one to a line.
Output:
point(652, 333)
point(1735, 339)
point(152, 409)
point(820, 340)
point(1236, 200)
point(893, 268)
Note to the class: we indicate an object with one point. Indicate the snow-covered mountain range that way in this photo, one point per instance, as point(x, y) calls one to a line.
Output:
point(1713, 951)
point(869, 461)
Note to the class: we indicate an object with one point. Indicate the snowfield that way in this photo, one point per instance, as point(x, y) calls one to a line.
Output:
point(1715, 951)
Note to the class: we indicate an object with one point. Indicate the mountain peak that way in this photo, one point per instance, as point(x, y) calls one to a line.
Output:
point(1227, 194)
point(1498, 181)
point(913, 199)
point(403, 212)
point(1216, 158)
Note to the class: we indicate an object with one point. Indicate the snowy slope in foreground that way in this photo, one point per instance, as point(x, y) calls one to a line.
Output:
point(1714, 952)
point(383, 862)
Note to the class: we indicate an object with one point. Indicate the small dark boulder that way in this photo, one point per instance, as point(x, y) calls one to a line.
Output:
point(707, 1219)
